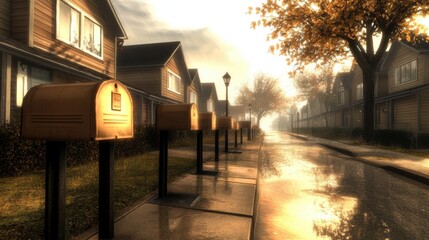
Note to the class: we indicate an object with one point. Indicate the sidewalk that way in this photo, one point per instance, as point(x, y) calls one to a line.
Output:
point(404, 164)
point(209, 206)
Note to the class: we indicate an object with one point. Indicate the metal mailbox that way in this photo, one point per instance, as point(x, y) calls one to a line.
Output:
point(244, 124)
point(207, 121)
point(78, 111)
point(224, 123)
point(177, 117)
point(236, 125)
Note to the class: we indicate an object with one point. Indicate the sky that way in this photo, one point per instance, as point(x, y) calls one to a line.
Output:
point(215, 35)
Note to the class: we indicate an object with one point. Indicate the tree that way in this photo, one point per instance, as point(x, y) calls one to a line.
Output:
point(330, 30)
point(316, 85)
point(266, 96)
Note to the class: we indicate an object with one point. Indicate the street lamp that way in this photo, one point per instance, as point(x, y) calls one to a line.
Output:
point(226, 80)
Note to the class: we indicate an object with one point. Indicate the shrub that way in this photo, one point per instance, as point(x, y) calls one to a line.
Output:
point(423, 140)
point(17, 155)
point(395, 138)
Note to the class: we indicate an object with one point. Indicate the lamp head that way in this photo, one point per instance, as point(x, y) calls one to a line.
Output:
point(226, 79)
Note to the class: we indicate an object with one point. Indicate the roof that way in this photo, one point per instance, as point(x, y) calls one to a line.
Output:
point(195, 79)
point(147, 55)
point(420, 46)
point(208, 89)
point(420, 43)
point(115, 15)
point(345, 79)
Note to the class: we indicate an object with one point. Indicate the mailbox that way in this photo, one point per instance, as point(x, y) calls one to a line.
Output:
point(236, 125)
point(207, 121)
point(224, 123)
point(78, 111)
point(244, 124)
point(177, 117)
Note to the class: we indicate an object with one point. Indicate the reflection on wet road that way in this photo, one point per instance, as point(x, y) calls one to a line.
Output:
point(309, 192)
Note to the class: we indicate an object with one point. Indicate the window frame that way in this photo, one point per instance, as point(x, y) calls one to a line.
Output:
point(406, 73)
point(193, 94)
point(25, 80)
point(210, 105)
point(359, 91)
point(341, 95)
point(178, 82)
point(82, 29)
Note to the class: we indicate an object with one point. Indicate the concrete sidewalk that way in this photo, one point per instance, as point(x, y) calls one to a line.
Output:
point(405, 164)
point(204, 206)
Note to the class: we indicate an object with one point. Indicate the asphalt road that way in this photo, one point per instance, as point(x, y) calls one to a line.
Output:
point(309, 192)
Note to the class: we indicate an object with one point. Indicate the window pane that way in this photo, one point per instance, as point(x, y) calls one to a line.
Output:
point(68, 27)
point(39, 76)
point(413, 70)
point(92, 37)
point(397, 76)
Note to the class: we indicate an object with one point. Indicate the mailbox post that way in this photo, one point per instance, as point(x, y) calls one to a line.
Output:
point(206, 121)
point(245, 124)
point(57, 113)
point(172, 117)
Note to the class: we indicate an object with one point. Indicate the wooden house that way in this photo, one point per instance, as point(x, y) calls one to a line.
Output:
point(402, 101)
point(156, 73)
point(45, 41)
point(208, 99)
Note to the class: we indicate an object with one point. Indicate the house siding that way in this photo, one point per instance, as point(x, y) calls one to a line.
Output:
point(19, 20)
point(44, 36)
point(405, 114)
point(357, 117)
point(424, 112)
point(4, 18)
point(145, 79)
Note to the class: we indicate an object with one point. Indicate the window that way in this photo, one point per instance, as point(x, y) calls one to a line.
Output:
point(69, 27)
point(210, 105)
point(193, 98)
point(406, 73)
point(341, 98)
point(359, 91)
point(173, 83)
point(78, 29)
point(92, 37)
point(28, 77)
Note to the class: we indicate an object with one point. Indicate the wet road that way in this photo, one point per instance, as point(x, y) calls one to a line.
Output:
point(309, 192)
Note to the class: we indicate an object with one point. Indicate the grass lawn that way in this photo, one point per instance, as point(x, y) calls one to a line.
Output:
point(22, 198)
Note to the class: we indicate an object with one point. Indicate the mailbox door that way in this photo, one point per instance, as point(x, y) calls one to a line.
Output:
point(114, 112)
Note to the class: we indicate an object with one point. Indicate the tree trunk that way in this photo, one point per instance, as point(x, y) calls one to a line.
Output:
point(368, 105)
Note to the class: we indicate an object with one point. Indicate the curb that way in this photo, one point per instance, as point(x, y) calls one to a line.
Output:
point(416, 176)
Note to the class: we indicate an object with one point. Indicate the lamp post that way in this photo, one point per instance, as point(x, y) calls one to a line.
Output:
point(249, 136)
point(226, 80)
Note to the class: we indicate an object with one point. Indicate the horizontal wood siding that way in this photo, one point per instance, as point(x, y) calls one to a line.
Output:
point(403, 56)
point(19, 20)
point(382, 115)
point(405, 114)
point(144, 79)
point(174, 66)
point(45, 36)
point(424, 112)
point(337, 119)
point(4, 17)
point(139, 108)
point(382, 86)
point(357, 78)
point(357, 117)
